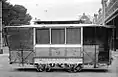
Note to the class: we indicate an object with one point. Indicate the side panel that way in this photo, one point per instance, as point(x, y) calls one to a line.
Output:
point(73, 52)
point(42, 51)
point(21, 56)
point(20, 38)
point(58, 55)
point(20, 43)
point(58, 52)
point(89, 54)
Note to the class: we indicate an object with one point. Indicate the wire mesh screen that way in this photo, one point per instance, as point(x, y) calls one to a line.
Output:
point(20, 38)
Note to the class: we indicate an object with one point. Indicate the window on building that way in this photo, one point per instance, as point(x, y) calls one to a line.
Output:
point(73, 35)
point(58, 36)
point(43, 36)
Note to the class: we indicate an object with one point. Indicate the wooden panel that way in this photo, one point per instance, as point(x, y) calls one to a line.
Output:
point(19, 57)
point(58, 51)
point(73, 52)
point(14, 56)
point(42, 52)
point(89, 53)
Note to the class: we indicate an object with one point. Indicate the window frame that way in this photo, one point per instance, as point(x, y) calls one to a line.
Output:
point(42, 29)
point(81, 37)
point(65, 35)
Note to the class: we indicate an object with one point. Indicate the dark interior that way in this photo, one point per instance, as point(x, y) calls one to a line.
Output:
point(99, 36)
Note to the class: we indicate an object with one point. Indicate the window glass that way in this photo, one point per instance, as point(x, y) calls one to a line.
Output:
point(73, 35)
point(42, 36)
point(58, 36)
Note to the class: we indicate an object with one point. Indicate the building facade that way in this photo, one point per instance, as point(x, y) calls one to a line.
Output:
point(108, 15)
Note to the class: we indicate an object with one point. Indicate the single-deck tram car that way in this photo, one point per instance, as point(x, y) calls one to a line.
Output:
point(70, 46)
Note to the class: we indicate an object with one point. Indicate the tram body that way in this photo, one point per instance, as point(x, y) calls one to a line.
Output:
point(69, 46)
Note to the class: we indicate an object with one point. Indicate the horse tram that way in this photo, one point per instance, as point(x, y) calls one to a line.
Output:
point(69, 45)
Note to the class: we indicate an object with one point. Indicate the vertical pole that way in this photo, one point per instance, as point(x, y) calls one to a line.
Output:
point(34, 39)
point(50, 35)
point(82, 45)
point(82, 35)
point(95, 48)
point(113, 36)
point(65, 42)
point(65, 35)
point(50, 31)
point(113, 39)
point(1, 49)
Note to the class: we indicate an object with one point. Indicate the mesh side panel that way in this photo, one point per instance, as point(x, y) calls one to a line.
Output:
point(20, 38)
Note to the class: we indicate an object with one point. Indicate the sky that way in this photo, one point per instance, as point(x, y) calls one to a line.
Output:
point(59, 9)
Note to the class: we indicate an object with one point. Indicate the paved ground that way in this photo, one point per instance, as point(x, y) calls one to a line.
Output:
point(7, 70)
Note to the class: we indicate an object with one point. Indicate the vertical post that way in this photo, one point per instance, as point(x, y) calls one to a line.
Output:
point(82, 46)
point(82, 34)
point(34, 39)
point(50, 31)
point(113, 39)
point(50, 35)
point(95, 48)
point(65, 35)
point(1, 48)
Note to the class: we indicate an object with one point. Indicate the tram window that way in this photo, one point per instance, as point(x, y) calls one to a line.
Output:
point(73, 36)
point(42, 36)
point(58, 36)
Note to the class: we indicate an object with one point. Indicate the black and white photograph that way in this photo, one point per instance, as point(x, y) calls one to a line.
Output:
point(58, 38)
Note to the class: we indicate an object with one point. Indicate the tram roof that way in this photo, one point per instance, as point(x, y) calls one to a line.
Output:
point(64, 25)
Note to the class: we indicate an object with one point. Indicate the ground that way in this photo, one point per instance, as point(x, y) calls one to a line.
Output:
point(14, 70)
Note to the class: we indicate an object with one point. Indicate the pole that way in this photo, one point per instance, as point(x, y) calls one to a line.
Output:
point(1, 48)
point(114, 33)
point(95, 62)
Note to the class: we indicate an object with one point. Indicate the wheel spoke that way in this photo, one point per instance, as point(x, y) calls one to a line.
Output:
point(40, 68)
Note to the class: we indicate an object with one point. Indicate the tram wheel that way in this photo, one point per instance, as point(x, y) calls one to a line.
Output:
point(72, 70)
point(75, 68)
point(78, 68)
point(40, 68)
point(48, 69)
